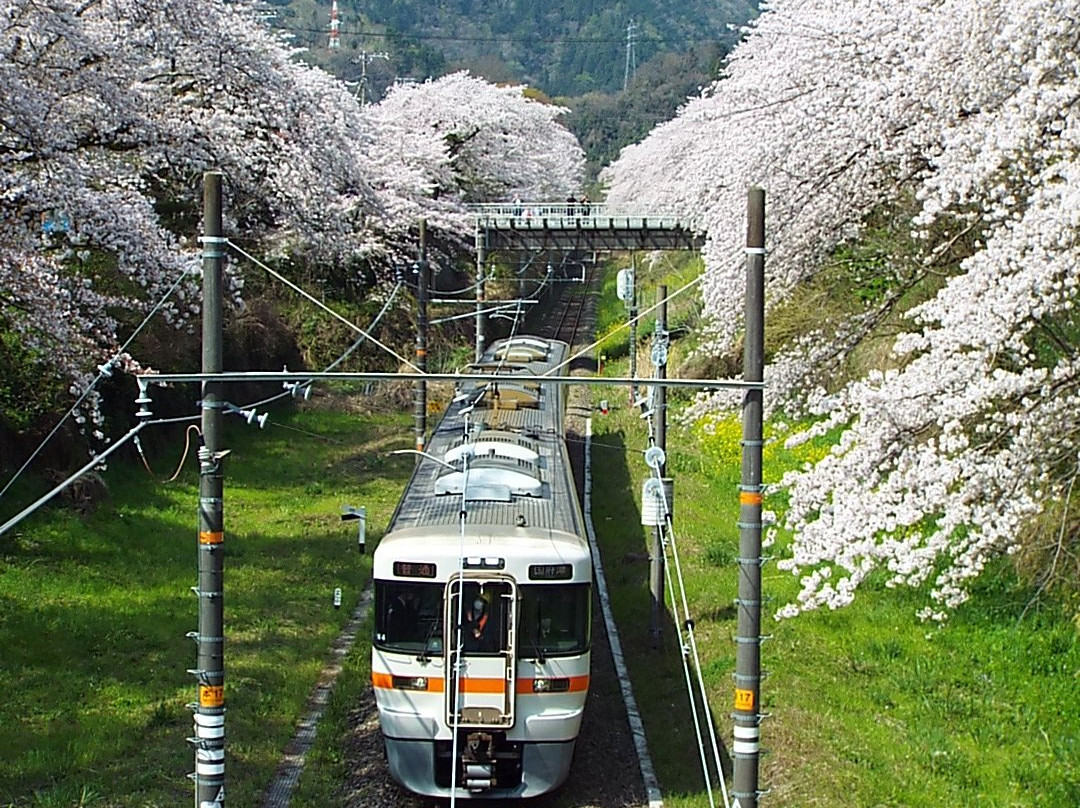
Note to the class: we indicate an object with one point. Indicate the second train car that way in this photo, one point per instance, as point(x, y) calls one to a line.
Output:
point(481, 648)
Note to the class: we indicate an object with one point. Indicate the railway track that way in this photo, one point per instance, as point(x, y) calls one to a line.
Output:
point(606, 771)
point(572, 312)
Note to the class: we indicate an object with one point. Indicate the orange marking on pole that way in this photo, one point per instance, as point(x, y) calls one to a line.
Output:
point(211, 537)
point(211, 695)
point(744, 699)
point(749, 498)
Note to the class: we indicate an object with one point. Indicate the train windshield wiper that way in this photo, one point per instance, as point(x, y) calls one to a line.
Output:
point(424, 654)
point(539, 650)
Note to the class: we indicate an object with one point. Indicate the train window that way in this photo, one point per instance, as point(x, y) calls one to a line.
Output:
point(483, 617)
point(408, 617)
point(555, 620)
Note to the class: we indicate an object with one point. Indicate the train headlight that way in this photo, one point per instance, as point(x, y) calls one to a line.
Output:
point(551, 685)
point(410, 682)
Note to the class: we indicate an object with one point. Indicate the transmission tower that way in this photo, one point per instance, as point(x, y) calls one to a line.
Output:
point(335, 24)
point(631, 54)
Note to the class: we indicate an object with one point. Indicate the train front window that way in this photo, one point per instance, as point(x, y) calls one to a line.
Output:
point(408, 617)
point(485, 616)
point(555, 620)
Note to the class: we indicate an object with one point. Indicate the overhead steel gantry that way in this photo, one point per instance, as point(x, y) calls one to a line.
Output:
point(573, 226)
point(569, 227)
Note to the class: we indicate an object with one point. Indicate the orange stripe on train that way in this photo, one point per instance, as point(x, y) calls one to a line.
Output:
point(385, 681)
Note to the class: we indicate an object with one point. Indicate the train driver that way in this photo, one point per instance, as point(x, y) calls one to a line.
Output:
point(402, 616)
point(477, 635)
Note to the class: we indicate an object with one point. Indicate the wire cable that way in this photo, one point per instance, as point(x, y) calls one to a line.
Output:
point(274, 273)
point(688, 647)
point(667, 534)
point(641, 314)
point(458, 38)
point(104, 371)
point(88, 467)
point(348, 352)
point(457, 666)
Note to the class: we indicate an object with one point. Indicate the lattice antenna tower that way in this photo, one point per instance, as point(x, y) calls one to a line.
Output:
point(631, 53)
point(335, 24)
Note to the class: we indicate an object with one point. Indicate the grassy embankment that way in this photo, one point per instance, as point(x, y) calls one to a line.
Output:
point(869, 707)
point(94, 612)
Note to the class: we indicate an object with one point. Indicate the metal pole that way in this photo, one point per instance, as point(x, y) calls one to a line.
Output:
point(209, 740)
point(748, 633)
point(481, 257)
point(661, 370)
point(656, 557)
point(633, 327)
point(420, 394)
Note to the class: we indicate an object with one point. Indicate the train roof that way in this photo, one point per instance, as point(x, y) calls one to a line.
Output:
point(518, 473)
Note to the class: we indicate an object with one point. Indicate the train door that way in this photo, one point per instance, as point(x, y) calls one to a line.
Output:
point(481, 657)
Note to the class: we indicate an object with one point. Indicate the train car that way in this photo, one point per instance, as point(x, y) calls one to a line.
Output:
point(481, 648)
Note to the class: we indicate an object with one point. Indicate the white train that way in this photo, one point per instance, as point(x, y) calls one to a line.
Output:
point(480, 657)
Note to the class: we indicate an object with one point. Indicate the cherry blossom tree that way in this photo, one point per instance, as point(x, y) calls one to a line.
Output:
point(111, 111)
point(500, 143)
point(955, 122)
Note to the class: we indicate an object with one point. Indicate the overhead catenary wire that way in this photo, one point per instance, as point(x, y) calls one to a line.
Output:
point(455, 723)
point(684, 622)
point(689, 648)
point(463, 515)
point(104, 371)
point(641, 314)
point(347, 353)
point(311, 298)
point(276, 397)
point(10, 523)
point(361, 32)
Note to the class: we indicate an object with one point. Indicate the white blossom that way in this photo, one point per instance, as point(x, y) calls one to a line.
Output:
point(844, 109)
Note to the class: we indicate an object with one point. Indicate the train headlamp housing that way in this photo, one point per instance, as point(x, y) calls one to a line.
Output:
point(547, 685)
point(410, 683)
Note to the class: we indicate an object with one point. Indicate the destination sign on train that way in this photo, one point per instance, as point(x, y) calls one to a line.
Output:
point(414, 569)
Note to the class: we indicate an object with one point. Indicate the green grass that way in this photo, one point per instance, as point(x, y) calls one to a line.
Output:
point(674, 270)
point(94, 612)
point(868, 706)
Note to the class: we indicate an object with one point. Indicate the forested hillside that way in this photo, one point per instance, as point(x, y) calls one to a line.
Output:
point(620, 68)
point(563, 47)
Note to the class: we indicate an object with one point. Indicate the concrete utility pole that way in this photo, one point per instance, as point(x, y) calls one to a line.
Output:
point(748, 632)
point(631, 54)
point(481, 257)
point(420, 391)
point(364, 58)
point(656, 556)
point(632, 303)
point(209, 671)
